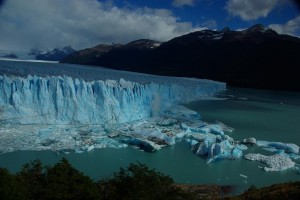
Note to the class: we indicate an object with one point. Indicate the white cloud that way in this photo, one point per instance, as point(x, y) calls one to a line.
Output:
point(211, 24)
point(250, 9)
point(292, 27)
point(181, 3)
point(82, 23)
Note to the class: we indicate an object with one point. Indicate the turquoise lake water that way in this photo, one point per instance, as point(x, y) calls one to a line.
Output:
point(265, 115)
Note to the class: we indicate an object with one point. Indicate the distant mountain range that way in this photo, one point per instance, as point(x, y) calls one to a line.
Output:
point(257, 57)
point(56, 54)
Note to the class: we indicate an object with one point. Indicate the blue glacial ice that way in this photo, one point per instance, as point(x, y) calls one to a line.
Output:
point(64, 100)
point(69, 108)
point(288, 148)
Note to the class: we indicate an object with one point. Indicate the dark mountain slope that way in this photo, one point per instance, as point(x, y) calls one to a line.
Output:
point(257, 57)
point(89, 55)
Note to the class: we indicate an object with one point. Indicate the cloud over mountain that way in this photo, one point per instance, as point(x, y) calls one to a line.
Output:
point(54, 23)
point(292, 27)
point(250, 9)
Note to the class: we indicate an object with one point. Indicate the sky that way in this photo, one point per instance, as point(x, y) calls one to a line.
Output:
point(47, 24)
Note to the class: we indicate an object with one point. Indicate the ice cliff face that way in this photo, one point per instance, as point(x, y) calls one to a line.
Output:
point(66, 100)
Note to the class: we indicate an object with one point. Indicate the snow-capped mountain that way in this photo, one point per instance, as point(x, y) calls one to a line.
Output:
point(21, 55)
point(56, 54)
point(92, 55)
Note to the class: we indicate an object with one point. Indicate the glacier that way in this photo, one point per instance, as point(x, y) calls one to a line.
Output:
point(64, 100)
point(70, 108)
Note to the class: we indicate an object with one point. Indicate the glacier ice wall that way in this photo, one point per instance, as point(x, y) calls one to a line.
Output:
point(67, 100)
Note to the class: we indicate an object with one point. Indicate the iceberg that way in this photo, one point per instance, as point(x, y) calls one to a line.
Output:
point(210, 142)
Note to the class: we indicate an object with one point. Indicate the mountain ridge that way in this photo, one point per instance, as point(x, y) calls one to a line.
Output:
point(256, 57)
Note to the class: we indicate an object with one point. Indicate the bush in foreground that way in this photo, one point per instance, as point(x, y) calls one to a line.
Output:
point(62, 181)
point(137, 181)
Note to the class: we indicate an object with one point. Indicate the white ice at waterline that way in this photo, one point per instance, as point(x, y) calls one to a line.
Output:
point(274, 162)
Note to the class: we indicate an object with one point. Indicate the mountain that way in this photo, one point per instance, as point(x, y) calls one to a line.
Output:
point(125, 52)
point(11, 55)
point(53, 55)
point(257, 57)
point(89, 55)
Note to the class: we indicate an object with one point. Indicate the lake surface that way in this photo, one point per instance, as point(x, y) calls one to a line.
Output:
point(265, 115)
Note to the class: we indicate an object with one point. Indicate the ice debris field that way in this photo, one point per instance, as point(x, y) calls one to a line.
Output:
point(71, 108)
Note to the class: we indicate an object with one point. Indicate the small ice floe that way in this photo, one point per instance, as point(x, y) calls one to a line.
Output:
point(287, 147)
point(65, 152)
point(113, 134)
point(78, 151)
point(250, 141)
point(274, 162)
point(244, 176)
point(143, 144)
point(181, 112)
point(241, 147)
point(90, 148)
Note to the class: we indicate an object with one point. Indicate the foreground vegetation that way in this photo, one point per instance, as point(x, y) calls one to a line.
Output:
point(137, 181)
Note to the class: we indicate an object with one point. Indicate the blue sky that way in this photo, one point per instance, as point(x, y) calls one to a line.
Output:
point(215, 13)
point(84, 23)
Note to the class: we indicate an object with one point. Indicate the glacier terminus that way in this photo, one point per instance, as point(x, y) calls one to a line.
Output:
point(71, 108)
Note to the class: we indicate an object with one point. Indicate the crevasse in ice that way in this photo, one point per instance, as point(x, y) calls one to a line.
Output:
point(67, 100)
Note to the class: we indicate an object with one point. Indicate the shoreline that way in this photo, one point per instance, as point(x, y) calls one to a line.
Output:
point(209, 191)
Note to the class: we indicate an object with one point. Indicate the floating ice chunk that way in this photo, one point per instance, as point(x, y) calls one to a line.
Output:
point(287, 147)
point(241, 147)
point(294, 156)
point(236, 153)
point(45, 132)
point(167, 122)
point(90, 148)
point(154, 135)
point(143, 144)
point(181, 112)
point(181, 134)
point(251, 141)
point(193, 142)
point(203, 148)
point(274, 150)
point(217, 129)
point(215, 147)
point(78, 151)
point(244, 176)
point(274, 162)
point(212, 128)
